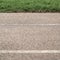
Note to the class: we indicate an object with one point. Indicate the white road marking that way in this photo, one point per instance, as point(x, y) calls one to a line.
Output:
point(29, 51)
point(29, 24)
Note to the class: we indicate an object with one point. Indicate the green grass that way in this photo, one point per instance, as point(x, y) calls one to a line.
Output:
point(29, 5)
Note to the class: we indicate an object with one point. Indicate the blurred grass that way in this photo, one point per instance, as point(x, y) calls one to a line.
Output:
point(29, 5)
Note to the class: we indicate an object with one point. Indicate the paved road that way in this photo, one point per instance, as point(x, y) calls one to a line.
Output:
point(29, 37)
point(27, 31)
point(29, 18)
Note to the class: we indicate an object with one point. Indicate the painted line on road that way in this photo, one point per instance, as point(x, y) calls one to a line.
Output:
point(29, 51)
point(29, 24)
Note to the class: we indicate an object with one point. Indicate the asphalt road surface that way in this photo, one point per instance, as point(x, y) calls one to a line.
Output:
point(27, 31)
